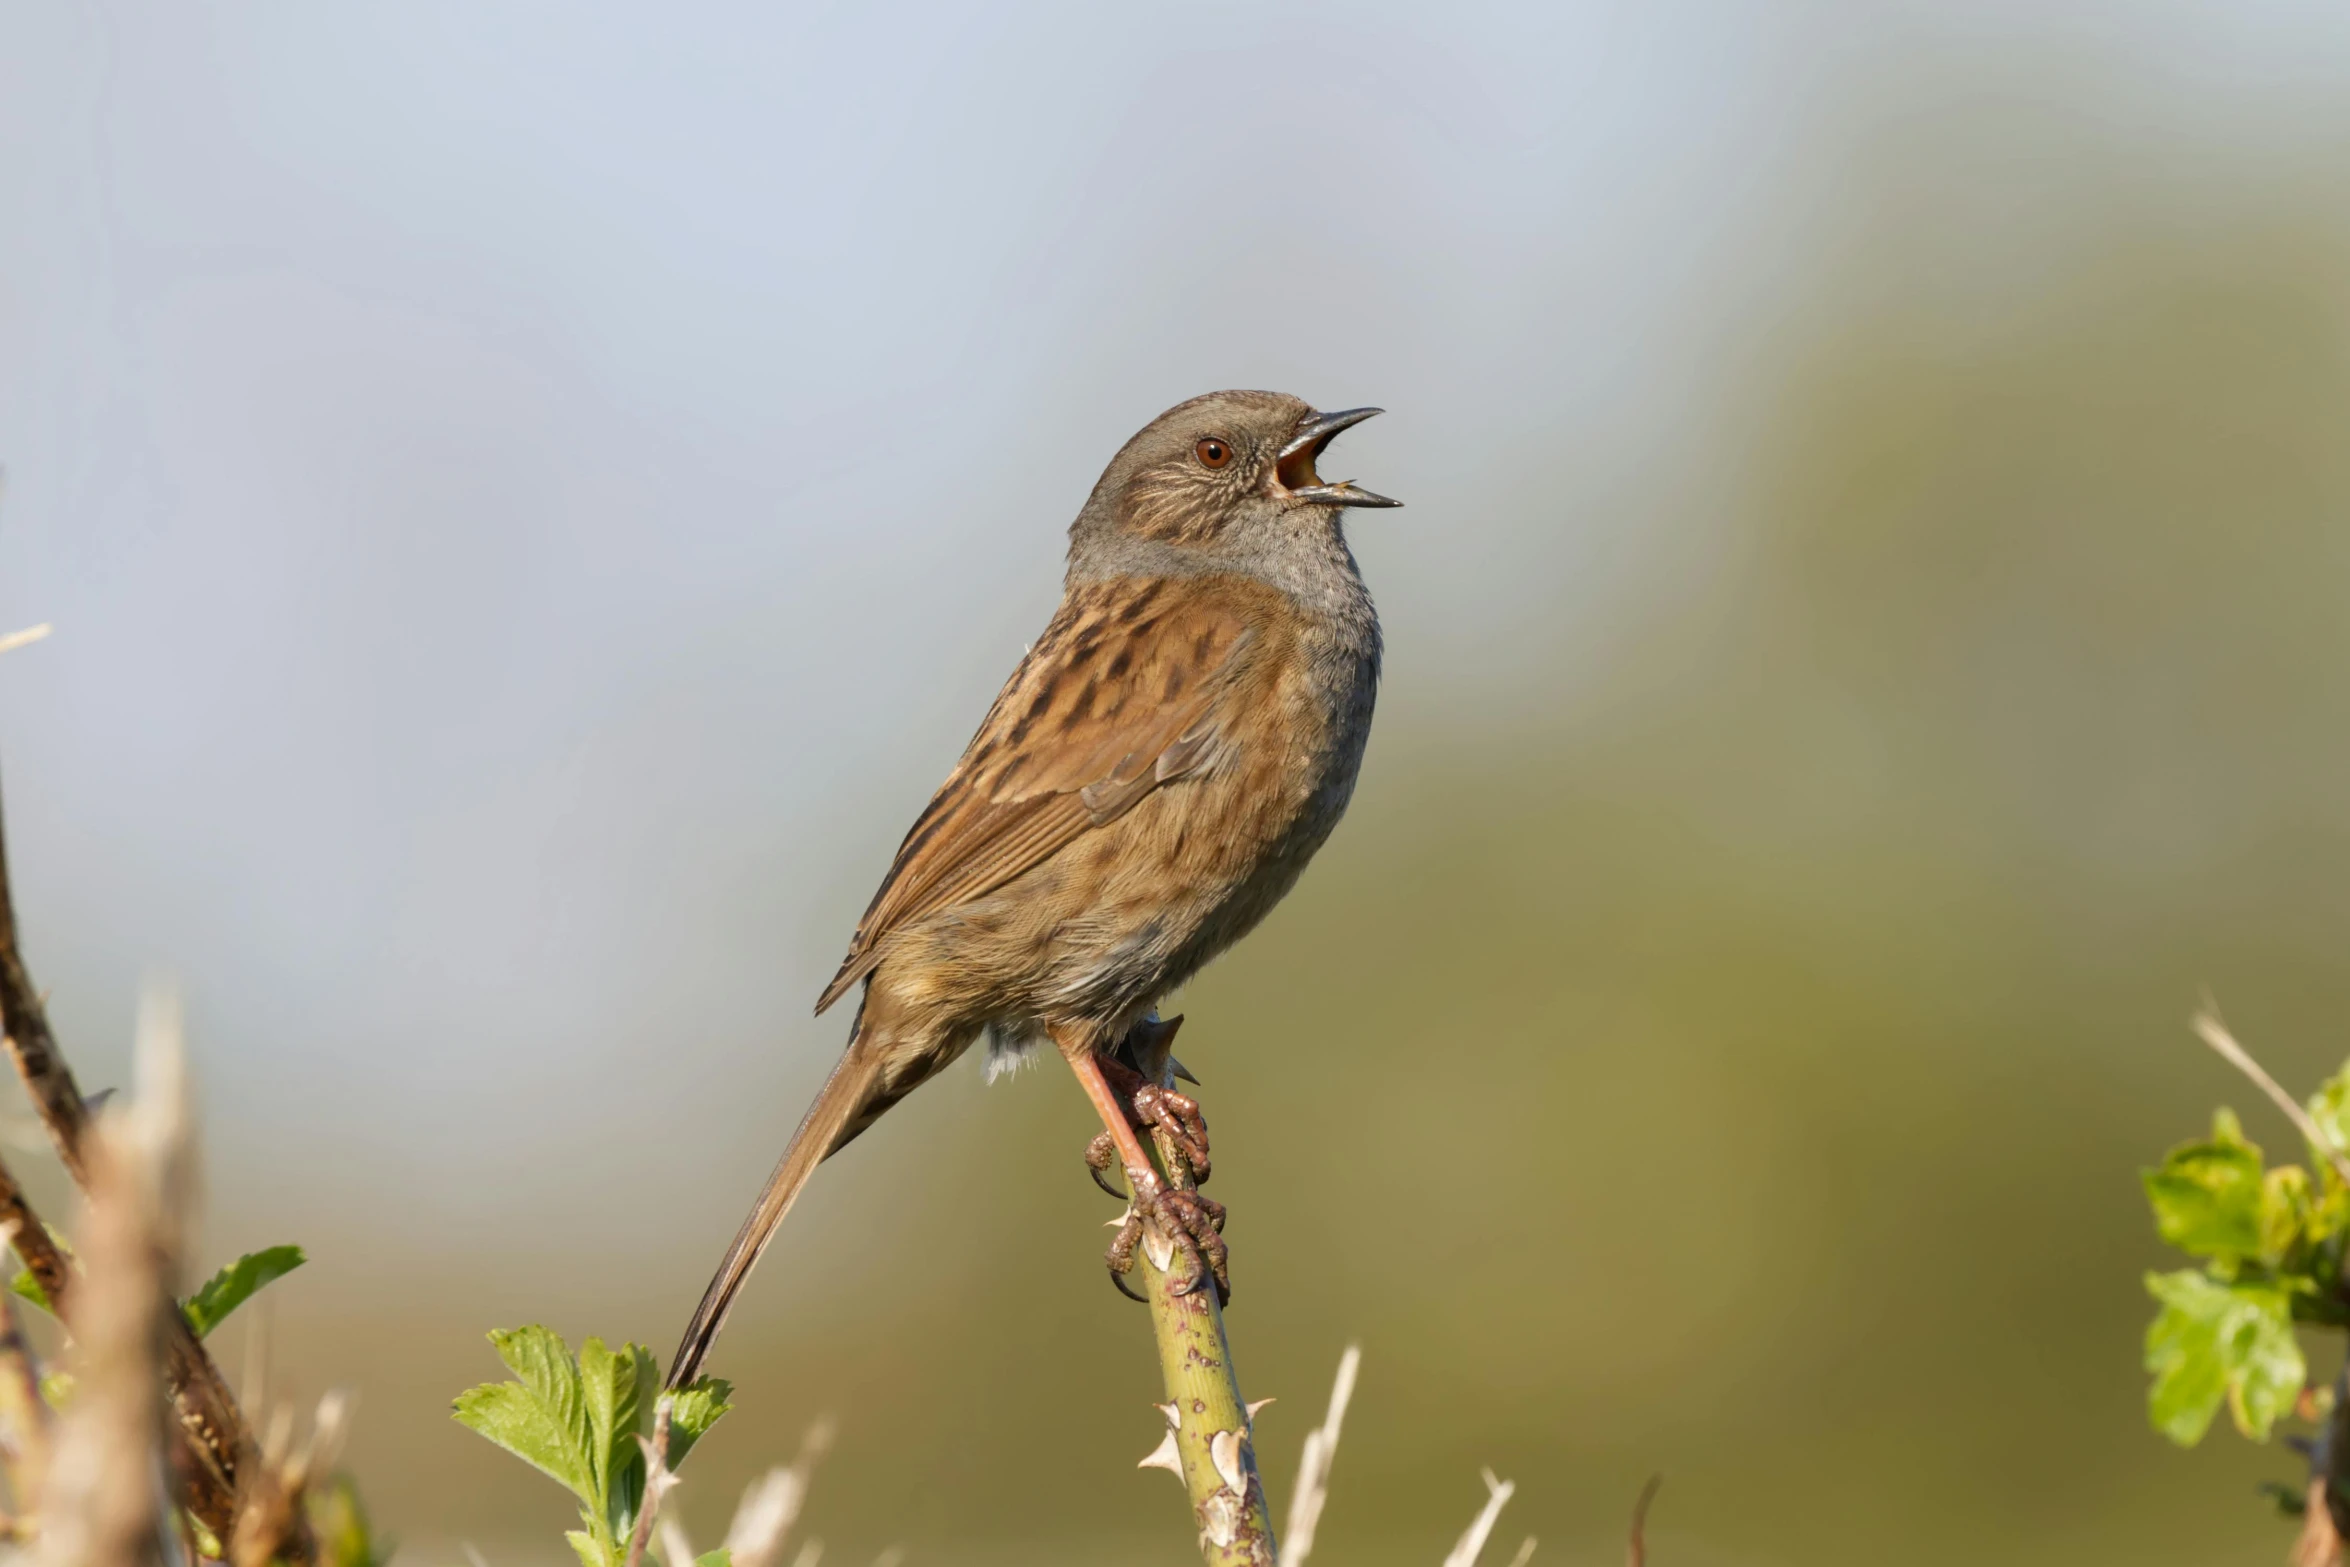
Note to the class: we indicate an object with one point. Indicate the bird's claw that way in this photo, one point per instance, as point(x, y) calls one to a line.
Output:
point(1197, 1229)
point(1178, 1116)
point(1167, 1212)
point(1120, 1256)
point(1174, 1117)
point(1152, 1108)
point(1192, 1227)
point(1100, 1155)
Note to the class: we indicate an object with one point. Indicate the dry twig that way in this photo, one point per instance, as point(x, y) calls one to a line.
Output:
point(2215, 1034)
point(2317, 1545)
point(764, 1517)
point(1472, 1541)
point(103, 1504)
point(214, 1449)
point(771, 1504)
point(1313, 1466)
point(277, 1495)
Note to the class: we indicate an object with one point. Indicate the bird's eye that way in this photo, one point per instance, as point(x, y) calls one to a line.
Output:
point(1212, 453)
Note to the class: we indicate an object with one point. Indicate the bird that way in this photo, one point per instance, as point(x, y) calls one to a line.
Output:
point(1149, 783)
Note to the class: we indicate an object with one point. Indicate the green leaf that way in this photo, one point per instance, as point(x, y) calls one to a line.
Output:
point(541, 1418)
point(577, 1421)
point(2207, 1195)
point(237, 1283)
point(2265, 1368)
point(2215, 1341)
point(721, 1557)
point(693, 1410)
point(2182, 1352)
point(2329, 1107)
point(542, 1362)
point(607, 1388)
point(512, 1416)
point(618, 1387)
point(2288, 1214)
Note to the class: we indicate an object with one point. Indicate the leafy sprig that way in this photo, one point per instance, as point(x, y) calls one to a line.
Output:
point(2272, 1245)
point(210, 1306)
point(578, 1420)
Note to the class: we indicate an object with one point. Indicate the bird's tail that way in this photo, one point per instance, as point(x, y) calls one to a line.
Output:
point(840, 1111)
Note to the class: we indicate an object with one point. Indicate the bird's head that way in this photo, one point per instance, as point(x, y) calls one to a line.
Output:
point(1230, 469)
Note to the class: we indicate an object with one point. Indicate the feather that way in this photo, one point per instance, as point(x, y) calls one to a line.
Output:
point(1116, 699)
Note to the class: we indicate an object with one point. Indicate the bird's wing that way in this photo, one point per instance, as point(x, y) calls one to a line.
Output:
point(1116, 698)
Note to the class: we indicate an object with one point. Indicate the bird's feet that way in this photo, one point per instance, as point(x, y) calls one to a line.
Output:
point(1173, 1118)
point(1167, 1223)
point(1166, 1217)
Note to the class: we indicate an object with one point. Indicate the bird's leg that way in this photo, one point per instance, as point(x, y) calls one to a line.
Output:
point(1189, 1222)
point(1174, 1122)
point(1139, 1070)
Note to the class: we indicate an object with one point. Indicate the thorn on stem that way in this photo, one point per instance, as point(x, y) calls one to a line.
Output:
point(1164, 1456)
point(1224, 1451)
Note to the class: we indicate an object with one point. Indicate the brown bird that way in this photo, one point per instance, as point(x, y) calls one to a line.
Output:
point(1149, 783)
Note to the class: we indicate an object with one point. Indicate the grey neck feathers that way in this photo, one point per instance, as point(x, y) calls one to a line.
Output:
point(1311, 564)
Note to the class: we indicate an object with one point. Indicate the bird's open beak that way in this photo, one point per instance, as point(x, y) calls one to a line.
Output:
point(1295, 470)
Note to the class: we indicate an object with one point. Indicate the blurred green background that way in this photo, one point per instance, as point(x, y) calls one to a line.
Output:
point(1867, 650)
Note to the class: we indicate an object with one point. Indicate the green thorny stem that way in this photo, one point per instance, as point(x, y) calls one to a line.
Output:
point(1209, 1421)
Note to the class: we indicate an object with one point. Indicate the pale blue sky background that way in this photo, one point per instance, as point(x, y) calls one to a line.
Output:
point(532, 496)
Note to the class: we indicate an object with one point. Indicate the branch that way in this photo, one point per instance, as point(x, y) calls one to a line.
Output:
point(764, 1517)
point(1472, 1541)
point(2215, 1034)
point(47, 1079)
point(24, 1418)
point(276, 1497)
point(2318, 1545)
point(101, 1506)
point(1313, 1466)
point(659, 1477)
point(1214, 1446)
point(214, 1449)
point(29, 1238)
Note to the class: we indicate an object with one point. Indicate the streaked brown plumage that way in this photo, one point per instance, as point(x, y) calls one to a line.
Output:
point(1150, 782)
